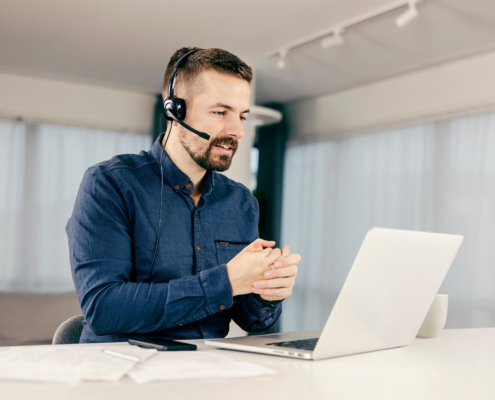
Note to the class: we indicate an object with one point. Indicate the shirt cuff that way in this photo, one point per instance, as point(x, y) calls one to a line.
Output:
point(216, 286)
point(261, 311)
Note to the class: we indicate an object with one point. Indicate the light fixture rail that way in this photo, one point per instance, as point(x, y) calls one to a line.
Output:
point(333, 36)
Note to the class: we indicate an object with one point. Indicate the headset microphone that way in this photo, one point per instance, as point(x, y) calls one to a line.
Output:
point(200, 134)
point(174, 109)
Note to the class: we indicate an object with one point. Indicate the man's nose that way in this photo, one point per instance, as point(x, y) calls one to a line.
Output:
point(235, 128)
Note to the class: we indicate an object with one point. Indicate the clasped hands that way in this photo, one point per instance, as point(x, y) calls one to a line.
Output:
point(261, 269)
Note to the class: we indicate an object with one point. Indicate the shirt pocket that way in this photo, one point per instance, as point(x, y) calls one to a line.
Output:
point(227, 250)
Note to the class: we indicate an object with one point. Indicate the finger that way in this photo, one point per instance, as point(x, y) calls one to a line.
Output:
point(273, 256)
point(270, 298)
point(266, 252)
point(285, 251)
point(257, 247)
point(280, 293)
point(293, 259)
point(265, 243)
point(274, 283)
point(263, 254)
point(284, 272)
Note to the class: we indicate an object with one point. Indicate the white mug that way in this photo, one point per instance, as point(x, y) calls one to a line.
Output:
point(435, 319)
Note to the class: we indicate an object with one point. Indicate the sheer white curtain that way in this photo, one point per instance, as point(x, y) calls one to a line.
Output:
point(41, 168)
point(437, 177)
point(12, 143)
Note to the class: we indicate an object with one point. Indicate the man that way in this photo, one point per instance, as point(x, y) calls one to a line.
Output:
point(178, 258)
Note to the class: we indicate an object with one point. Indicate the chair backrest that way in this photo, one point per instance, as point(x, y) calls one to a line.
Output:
point(69, 331)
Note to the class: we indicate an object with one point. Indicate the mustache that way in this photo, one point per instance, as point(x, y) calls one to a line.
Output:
point(226, 140)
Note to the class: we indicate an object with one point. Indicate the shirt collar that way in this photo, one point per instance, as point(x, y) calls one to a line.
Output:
point(177, 179)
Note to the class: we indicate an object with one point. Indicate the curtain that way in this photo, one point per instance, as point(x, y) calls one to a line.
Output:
point(41, 167)
point(12, 144)
point(437, 177)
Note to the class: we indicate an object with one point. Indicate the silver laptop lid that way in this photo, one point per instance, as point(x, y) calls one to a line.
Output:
point(388, 291)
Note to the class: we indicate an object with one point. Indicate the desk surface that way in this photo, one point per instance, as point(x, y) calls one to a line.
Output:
point(459, 365)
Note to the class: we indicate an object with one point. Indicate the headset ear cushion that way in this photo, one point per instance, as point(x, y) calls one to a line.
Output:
point(180, 106)
point(176, 107)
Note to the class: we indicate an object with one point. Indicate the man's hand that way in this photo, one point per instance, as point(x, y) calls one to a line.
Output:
point(250, 264)
point(277, 283)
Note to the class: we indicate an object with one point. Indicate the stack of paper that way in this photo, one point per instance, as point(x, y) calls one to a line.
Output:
point(66, 364)
point(180, 365)
point(70, 364)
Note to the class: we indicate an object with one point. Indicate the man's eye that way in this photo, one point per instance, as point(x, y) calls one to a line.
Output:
point(219, 112)
point(243, 118)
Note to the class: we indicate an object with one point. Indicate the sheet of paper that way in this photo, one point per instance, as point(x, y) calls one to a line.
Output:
point(61, 364)
point(133, 351)
point(181, 365)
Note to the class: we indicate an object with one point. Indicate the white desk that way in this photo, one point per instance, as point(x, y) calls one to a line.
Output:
point(459, 365)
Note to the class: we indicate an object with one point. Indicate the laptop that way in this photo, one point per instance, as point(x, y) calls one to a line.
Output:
point(384, 300)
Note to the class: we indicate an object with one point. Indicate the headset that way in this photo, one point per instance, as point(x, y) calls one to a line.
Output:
point(174, 109)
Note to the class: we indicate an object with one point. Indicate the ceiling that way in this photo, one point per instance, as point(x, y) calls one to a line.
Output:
point(127, 43)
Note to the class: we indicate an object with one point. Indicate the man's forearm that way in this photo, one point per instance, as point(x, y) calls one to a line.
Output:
point(135, 307)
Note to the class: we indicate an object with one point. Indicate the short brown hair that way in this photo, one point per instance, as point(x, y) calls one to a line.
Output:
point(203, 60)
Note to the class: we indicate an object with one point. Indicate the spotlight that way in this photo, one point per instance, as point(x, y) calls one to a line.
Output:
point(336, 39)
point(408, 16)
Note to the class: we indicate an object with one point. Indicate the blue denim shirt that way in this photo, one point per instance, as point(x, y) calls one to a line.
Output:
point(112, 237)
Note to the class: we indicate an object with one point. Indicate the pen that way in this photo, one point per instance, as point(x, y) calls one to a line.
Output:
point(121, 355)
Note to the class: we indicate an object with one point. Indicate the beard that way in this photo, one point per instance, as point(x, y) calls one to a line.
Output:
point(200, 150)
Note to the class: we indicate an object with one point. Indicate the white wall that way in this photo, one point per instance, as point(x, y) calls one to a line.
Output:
point(454, 87)
point(68, 103)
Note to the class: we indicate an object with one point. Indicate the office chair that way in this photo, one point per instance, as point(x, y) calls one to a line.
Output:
point(69, 331)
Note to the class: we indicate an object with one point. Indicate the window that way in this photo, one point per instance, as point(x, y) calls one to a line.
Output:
point(41, 167)
point(437, 177)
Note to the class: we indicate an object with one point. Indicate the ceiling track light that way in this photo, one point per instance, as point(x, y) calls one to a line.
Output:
point(330, 37)
point(281, 59)
point(335, 39)
point(406, 17)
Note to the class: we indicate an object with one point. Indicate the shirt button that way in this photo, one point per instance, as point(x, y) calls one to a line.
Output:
point(253, 304)
point(177, 187)
point(181, 324)
point(263, 311)
point(221, 307)
point(188, 186)
point(199, 248)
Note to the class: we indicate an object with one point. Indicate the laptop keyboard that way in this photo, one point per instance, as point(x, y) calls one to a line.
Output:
point(303, 344)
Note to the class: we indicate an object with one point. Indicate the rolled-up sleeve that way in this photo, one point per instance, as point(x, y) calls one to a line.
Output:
point(101, 252)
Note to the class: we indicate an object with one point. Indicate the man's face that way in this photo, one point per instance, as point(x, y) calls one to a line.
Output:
point(219, 110)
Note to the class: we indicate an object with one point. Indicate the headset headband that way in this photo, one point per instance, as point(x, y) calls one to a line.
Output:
point(171, 83)
point(174, 109)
